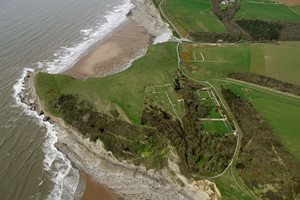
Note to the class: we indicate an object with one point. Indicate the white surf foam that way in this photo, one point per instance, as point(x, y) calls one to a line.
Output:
point(66, 57)
point(55, 162)
point(64, 177)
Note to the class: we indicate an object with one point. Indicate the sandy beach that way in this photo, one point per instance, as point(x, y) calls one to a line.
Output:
point(112, 54)
point(126, 43)
point(95, 190)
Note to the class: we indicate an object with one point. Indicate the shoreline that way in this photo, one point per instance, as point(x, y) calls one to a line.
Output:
point(126, 43)
point(112, 54)
point(129, 181)
point(95, 190)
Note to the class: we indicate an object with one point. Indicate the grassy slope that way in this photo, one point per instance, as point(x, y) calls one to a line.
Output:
point(193, 16)
point(125, 89)
point(229, 188)
point(266, 12)
point(281, 112)
point(278, 61)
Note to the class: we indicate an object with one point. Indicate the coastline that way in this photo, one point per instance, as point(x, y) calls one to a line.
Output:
point(113, 53)
point(95, 190)
point(126, 43)
point(131, 182)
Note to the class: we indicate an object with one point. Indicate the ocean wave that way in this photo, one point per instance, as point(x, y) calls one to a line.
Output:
point(64, 177)
point(66, 57)
point(55, 163)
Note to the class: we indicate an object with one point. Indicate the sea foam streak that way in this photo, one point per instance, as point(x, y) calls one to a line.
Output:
point(64, 177)
point(66, 57)
point(55, 162)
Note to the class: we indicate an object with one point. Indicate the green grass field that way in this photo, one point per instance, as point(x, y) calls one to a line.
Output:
point(278, 12)
point(277, 61)
point(165, 96)
point(217, 62)
point(229, 189)
point(125, 89)
point(192, 16)
point(215, 127)
point(282, 112)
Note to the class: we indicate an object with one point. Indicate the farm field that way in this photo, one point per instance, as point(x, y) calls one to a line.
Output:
point(192, 16)
point(208, 62)
point(278, 12)
point(282, 112)
point(125, 89)
point(277, 61)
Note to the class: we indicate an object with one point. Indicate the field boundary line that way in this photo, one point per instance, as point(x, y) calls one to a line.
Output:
point(257, 87)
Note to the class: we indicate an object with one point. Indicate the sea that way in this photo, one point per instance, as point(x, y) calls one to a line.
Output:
point(47, 35)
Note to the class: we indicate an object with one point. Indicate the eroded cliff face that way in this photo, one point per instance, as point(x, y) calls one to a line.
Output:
point(146, 15)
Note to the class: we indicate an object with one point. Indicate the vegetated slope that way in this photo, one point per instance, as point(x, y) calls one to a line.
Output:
point(193, 16)
point(264, 163)
point(127, 142)
point(275, 12)
point(201, 153)
point(270, 30)
point(282, 112)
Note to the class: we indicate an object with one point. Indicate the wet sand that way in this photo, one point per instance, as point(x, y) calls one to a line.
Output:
point(113, 54)
point(96, 191)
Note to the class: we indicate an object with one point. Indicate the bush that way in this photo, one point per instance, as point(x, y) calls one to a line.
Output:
point(262, 30)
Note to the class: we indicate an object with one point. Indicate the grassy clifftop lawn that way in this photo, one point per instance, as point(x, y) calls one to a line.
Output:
point(124, 90)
